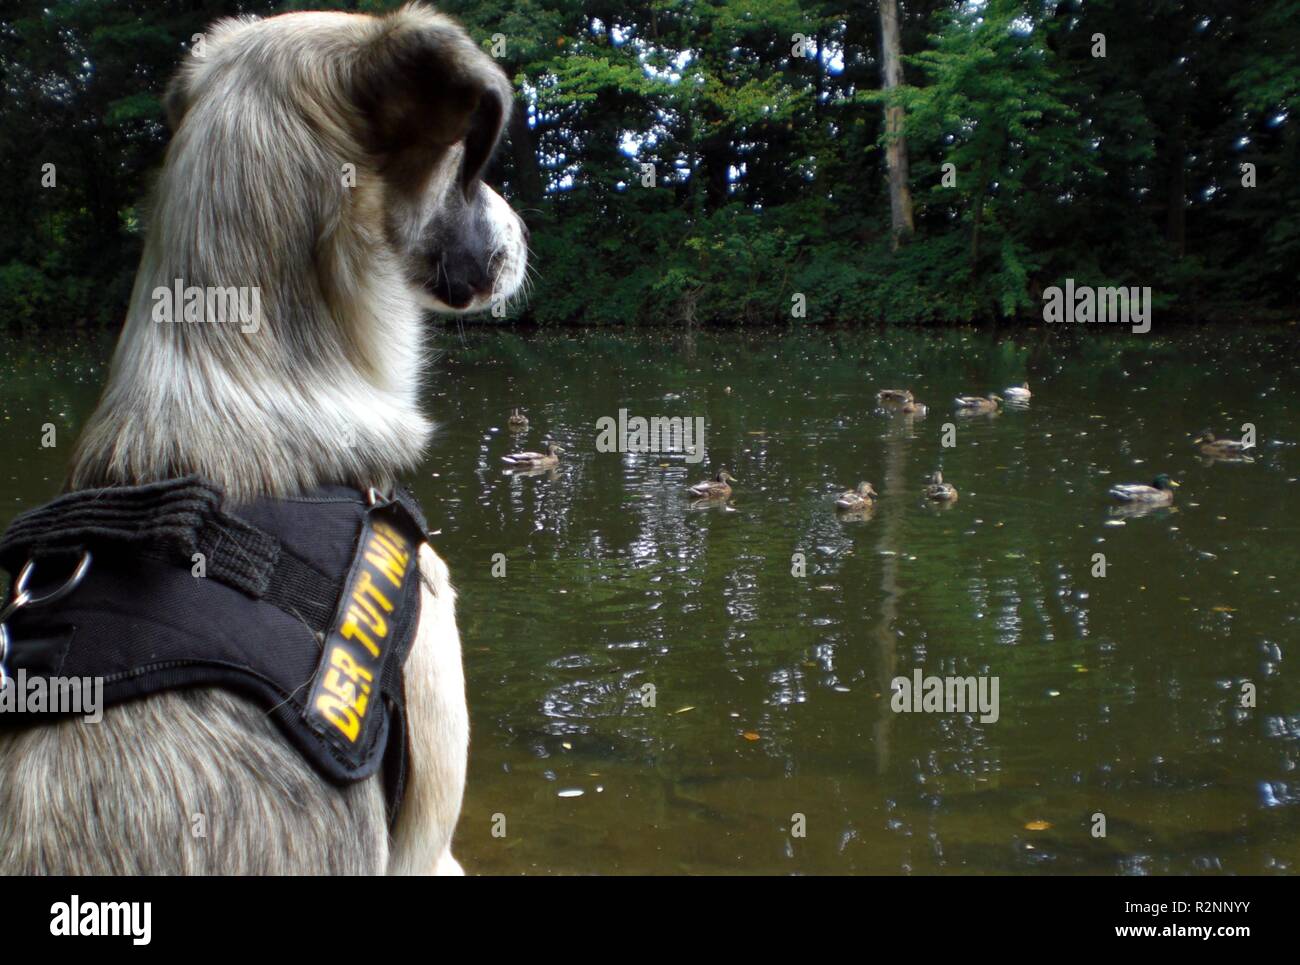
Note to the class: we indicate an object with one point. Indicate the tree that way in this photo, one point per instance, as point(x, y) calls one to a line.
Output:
point(900, 196)
point(1014, 153)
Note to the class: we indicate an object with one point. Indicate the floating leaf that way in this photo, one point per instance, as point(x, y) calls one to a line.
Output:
point(751, 736)
point(683, 710)
point(1038, 826)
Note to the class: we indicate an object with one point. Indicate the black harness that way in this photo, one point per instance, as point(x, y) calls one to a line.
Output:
point(306, 605)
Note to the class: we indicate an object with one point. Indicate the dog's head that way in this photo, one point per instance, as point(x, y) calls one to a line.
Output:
point(381, 127)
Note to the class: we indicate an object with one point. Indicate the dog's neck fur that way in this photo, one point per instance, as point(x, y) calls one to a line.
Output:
point(326, 389)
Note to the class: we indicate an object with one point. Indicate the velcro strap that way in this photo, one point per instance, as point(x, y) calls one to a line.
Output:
point(174, 519)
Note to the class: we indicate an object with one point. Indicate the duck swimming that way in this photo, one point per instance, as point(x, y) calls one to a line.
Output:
point(856, 500)
point(517, 422)
point(1221, 448)
point(1159, 493)
point(535, 460)
point(1017, 393)
point(719, 487)
point(940, 491)
point(973, 404)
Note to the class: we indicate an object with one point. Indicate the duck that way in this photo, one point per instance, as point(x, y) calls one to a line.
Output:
point(719, 487)
point(912, 407)
point(856, 500)
point(517, 422)
point(535, 460)
point(974, 403)
point(1223, 448)
point(940, 491)
point(1017, 393)
point(894, 395)
point(1159, 493)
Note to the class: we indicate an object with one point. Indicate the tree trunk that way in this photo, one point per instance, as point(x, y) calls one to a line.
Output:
point(900, 197)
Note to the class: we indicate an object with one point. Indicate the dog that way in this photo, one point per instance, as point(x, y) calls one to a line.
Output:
point(333, 163)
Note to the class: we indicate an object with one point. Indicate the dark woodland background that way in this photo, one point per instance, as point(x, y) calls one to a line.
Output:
point(773, 170)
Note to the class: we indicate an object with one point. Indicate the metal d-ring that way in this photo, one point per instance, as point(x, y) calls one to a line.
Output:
point(4, 655)
point(25, 575)
point(24, 597)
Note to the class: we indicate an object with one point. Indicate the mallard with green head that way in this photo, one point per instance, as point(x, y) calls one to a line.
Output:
point(719, 487)
point(940, 491)
point(974, 404)
point(1159, 493)
point(856, 500)
point(535, 460)
point(517, 422)
point(1017, 393)
point(1221, 448)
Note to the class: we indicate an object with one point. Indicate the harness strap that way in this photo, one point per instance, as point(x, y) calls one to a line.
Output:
point(173, 521)
point(310, 607)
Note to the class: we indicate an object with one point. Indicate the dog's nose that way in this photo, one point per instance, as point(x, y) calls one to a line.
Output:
point(455, 292)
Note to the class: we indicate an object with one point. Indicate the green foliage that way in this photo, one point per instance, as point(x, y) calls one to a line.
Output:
point(769, 172)
point(26, 294)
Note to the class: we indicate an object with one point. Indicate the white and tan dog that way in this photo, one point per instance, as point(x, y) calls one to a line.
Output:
point(332, 163)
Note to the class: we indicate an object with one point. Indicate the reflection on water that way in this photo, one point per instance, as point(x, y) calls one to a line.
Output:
point(1120, 695)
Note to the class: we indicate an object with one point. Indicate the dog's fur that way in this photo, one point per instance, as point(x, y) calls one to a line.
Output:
point(253, 193)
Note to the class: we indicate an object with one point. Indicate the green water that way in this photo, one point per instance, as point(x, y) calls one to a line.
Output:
point(1119, 695)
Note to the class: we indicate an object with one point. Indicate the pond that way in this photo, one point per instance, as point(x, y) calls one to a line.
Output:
point(657, 686)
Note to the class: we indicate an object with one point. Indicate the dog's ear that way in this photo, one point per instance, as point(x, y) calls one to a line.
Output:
point(423, 86)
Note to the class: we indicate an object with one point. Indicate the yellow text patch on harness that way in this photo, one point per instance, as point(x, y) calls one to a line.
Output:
point(359, 639)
